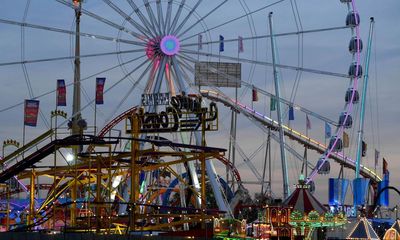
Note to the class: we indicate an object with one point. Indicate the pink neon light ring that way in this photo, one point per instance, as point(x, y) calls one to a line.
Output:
point(170, 45)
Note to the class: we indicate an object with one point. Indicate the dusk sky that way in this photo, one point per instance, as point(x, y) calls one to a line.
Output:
point(325, 51)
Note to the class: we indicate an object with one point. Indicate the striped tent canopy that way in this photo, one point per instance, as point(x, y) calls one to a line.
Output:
point(363, 230)
point(303, 201)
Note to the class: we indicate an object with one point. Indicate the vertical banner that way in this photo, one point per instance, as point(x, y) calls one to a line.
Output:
point(221, 43)
point(31, 111)
point(377, 153)
point(364, 149)
point(61, 93)
point(360, 190)
point(240, 44)
point(272, 105)
point(346, 140)
point(328, 130)
point(200, 42)
point(99, 90)
point(291, 113)
point(308, 122)
point(254, 95)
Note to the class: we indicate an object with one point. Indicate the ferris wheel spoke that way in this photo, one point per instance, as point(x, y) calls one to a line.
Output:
point(201, 19)
point(268, 36)
point(127, 18)
point(341, 75)
point(142, 18)
point(233, 20)
point(175, 31)
point(83, 34)
point(177, 15)
point(168, 17)
point(103, 20)
point(160, 16)
point(178, 73)
point(160, 74)
point(152, 18)
point(70, 57)
point(152, 74)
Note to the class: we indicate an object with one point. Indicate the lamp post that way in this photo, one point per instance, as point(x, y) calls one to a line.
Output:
point(54, 114)
point(9, 142)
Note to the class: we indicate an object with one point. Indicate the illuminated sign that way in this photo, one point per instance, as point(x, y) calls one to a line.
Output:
point(348, 210)
point(155, 99)
point(184, 113)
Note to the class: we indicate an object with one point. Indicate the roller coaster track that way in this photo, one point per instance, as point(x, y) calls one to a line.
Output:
point(292, 134)
point(47, 150)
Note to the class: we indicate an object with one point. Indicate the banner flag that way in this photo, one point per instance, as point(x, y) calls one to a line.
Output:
point(364, 149)
point(240, 44)
point(254, 95)
point(221, 43)
point(31, 110)
point(61, 93)
point(272, 105)
point(346, 140)
point(200, 41)
point(377, 153)
point(328, 130)
point(99, 90)
point(308, 122)
point(291, 113)
point(385, 167)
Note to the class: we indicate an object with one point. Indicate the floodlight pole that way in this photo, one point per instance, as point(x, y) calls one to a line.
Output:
point(277, 94)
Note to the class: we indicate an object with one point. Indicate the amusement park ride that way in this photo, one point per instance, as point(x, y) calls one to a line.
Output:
point(151, 169)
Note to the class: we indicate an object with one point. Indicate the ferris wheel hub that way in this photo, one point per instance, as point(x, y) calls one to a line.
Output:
point(170, 45)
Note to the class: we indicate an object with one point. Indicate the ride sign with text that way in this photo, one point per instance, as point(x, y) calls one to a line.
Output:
point(183, 113)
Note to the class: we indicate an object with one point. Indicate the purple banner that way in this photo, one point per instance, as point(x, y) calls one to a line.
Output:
point(61, 93)
point(99, 90)
point(31, 110)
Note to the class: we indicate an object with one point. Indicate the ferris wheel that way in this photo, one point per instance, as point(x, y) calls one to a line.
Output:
point(262, 63)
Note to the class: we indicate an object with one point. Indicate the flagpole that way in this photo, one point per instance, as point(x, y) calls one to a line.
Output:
point(95, 115)
point(286, 189)
point(363, 97)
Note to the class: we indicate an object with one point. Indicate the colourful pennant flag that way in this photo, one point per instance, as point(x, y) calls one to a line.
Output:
point(377, 153)
point(240, 44)
point(254, 94)
point(308, 122)
point(272, 105)
point(385, 167)
point(200, 41)
point(221, 43)
point(328, 130)
point(364, 149)
point(99, 90)
point(31, 110)
point(291, 113)
point(61, 93)
point(346, 140)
